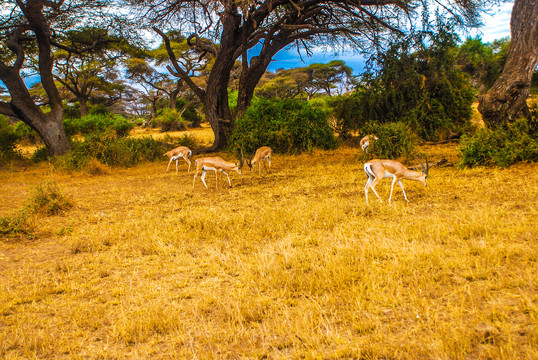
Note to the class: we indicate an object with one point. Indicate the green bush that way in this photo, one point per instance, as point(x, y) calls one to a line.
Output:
point(17, 225)
point(40, 154)
point(98, 123)
point(169, 120)
point(395, 140)
point(505, 146)
point(110, 150)
point(288, 126)
point(418, 83)
point(26, 133)
point(8, 139)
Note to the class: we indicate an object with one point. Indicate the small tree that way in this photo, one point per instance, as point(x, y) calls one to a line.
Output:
point(418, 84)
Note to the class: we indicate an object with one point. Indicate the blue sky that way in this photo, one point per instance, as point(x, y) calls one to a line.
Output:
point(496, 26)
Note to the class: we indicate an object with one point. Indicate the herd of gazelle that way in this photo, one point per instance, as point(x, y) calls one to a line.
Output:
point(375, 169)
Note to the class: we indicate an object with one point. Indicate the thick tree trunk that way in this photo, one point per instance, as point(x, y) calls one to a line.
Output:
point(507, 99)
point(49, 126)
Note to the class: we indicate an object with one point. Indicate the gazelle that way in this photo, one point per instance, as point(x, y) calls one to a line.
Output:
point(366, 141)
point(182, 152)
point(378, 169)
point(263, 153)
point(217, 164)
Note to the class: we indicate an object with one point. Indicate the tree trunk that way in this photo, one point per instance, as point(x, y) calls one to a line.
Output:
point(507, 99)
point(83, 102)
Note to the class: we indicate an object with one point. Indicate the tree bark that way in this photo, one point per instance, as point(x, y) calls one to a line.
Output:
point(49, 125)
point(507, 98)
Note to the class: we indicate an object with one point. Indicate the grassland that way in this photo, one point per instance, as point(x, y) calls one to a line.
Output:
point(289, 265)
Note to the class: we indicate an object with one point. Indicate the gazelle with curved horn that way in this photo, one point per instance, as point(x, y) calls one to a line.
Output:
point(378, 169)
point(216, 164)
point(263, 153)
point(181, 152)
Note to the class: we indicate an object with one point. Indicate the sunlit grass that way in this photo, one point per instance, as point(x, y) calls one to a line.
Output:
point(287, 265)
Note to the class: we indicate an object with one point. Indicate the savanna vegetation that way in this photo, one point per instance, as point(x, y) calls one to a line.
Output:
point(134, 263)
point(105, 255)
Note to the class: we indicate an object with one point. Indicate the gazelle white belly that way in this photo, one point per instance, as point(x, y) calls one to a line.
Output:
point(389, 175)
point(208, 168)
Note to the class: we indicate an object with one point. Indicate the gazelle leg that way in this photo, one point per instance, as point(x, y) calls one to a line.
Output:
point(392, 187)
point(171, 159)
point(194, 179)
point(401, 185)
point(229, 182)
point(188, 162)
point(269, 162)
point(372, 186)
point(203, 177)
point(177, 161)
point(366, 187)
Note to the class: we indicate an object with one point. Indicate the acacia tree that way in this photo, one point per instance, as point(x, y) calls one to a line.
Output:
point(29, 30)
point(83, 72)
point(240, 26)
point(507, 98)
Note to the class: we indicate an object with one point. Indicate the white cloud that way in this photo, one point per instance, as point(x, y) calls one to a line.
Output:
point(496, 23)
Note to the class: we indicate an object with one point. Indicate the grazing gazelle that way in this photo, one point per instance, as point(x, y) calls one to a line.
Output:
point(263, 153)
point(366, 141)
point(378, 169)
point(180, 152)
point(217, 164)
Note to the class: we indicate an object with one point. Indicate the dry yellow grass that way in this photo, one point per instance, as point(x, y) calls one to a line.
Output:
point(285, 266)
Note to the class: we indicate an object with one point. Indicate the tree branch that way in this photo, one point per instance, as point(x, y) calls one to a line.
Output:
point(6, 109)
point(179, 72)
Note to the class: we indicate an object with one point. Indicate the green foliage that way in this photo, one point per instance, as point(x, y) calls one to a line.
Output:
point(169, 120)
point(418, 84)
point(504, 146)
point(40, 154)
point(291, 126)
point(484, 62)
point(111, 151)
point(98, 123)
point(8, 139)
point(48, 199)
point(395, 140)
point(26, 133)
point(17, 225)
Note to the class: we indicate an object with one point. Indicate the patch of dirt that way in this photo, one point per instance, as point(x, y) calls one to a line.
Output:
point(13, 254)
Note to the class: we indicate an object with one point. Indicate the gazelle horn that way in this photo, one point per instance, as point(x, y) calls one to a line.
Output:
point(424, 169)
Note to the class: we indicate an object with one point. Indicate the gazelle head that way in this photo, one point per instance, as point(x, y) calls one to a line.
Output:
point(249, 162)
point(425, 170)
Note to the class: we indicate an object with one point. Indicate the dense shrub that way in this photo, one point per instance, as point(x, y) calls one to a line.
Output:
point(502, 147)
point(169, 120)
point(395, 140)
point(98, 123)
point(111, 151)
point(8, 139)
point(417, 83)
point(285, 125)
